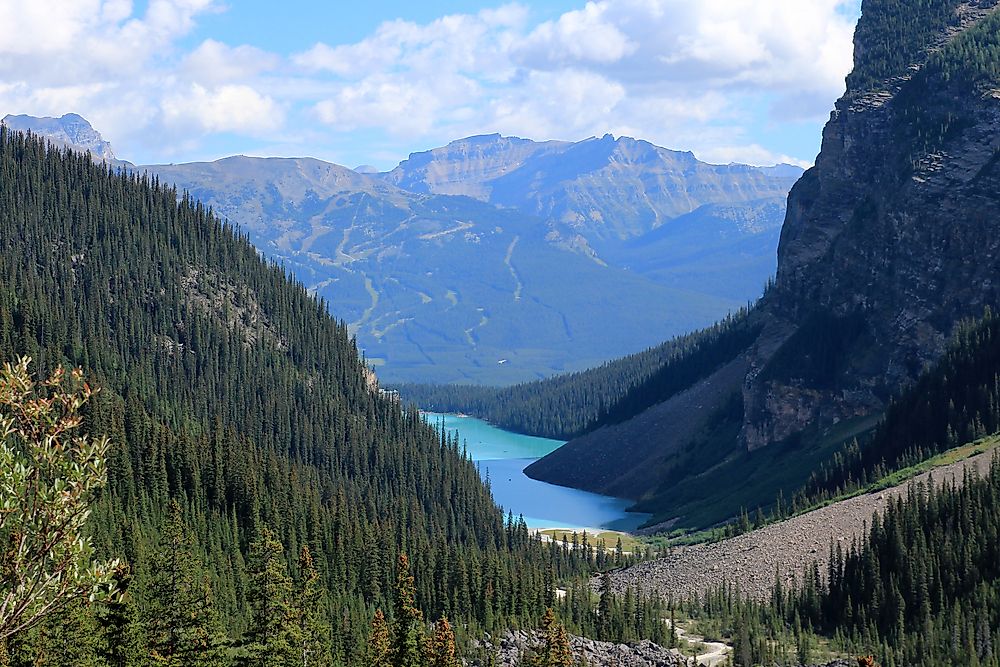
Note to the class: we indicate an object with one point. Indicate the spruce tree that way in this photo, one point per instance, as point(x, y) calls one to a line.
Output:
point(553, 649)
point(379, 650)
point(314, 630)
point(122, 637)
point(407, 636)
point(179, 614)
point(441, 646)
point(272, 639)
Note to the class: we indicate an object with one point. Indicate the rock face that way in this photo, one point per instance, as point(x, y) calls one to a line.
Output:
point(70, 130)
point(889, 241)
point(512, 646)
point(604, 190)
point(888, 244)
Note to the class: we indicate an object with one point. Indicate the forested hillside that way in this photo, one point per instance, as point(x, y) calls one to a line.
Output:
point(955, 402)
point(567, 406)
point(232, 396)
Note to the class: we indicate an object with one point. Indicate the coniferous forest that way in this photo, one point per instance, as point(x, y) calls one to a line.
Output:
point(256, 474)
point(570, 405)
point(262, 501)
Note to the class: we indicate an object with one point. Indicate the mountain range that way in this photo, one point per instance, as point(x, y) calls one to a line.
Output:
point(497, 259)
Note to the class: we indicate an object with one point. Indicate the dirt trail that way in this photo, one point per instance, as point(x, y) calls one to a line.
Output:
point(716, 654)
point(752, 560)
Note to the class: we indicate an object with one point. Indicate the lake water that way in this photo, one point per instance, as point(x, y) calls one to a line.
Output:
point(503, 456)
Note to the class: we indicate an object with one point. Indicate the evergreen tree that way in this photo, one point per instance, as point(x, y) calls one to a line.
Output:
point(553, 649)
point(314, 631)
point(122, 637)
point(272, 639)
point(407, 634)
point(441, 646)
point(379, 650)
point(179, 613)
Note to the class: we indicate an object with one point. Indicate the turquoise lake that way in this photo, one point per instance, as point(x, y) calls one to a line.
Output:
point(503, 456)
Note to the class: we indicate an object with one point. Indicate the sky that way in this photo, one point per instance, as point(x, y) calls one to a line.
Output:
point(357, 83)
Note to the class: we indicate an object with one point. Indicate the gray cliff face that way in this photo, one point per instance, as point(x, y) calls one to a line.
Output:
point(70, 130)
point(888, 243)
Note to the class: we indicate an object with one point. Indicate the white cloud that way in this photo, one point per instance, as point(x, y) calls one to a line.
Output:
point(588, 35)
point(690, 75)
point(215, 62)
point(748, 154)
point(664, 68)
point(226, 108)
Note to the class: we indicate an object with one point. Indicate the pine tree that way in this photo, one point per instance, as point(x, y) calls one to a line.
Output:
point(553, 649)
point(272, 639)
point(441, 646)
point(407, 633)
point(314, 632)
point(122, 635)
point(604, 609)
point(379, 650)
point(179, 614)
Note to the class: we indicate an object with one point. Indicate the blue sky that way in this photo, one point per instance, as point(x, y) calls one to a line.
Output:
point(368, 83)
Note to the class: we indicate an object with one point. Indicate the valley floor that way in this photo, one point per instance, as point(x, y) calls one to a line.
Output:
point(753, 560)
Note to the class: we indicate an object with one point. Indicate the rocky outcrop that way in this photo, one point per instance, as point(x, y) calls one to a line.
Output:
point(68, 131)
point(511, 648)
point(604, 190)
point(889, 241)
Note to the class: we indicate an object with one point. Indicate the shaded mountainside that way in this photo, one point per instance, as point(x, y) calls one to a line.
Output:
point(889, 242)
point(441, 287)
point(569, 405)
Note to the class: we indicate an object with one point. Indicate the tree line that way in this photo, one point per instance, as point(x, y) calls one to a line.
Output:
point(567, 406)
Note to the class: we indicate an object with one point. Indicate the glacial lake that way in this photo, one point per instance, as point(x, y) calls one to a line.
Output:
point(503, 456)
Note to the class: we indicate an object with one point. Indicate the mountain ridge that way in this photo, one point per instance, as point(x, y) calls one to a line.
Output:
point(453, 284)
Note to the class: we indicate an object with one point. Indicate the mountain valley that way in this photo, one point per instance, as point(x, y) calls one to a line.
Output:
point(446, 274)
point(276, 412)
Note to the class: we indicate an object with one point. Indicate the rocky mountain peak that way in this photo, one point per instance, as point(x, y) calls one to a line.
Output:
point(70, 130)
point(892, 238)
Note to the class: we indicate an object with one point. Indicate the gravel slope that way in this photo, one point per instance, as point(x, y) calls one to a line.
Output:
point(751, 560)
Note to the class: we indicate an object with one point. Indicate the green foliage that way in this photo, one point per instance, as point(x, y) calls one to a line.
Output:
point(892, 35)
point(954, 402)
point(925, 583)
point(553, 646)
point(379, 651)
point(314, 643)
point(273, 635)
point(179, 612)
point(820, 349)
point(50, 474)
point(407, 631)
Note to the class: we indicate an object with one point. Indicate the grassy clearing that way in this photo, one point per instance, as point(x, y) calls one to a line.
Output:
point(610, 538)
point(903, 475)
